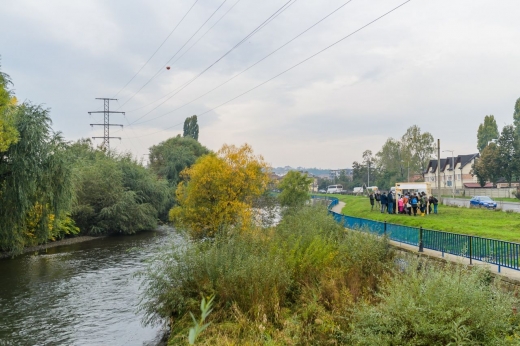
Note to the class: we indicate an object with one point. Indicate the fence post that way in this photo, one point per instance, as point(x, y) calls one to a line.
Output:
point(470, 250)
point(384, 230)
point(421, 247)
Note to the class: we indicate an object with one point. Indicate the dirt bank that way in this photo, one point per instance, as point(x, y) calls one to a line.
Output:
point(62, 242)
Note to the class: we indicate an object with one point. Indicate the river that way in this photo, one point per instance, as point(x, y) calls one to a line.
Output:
point(79, 294)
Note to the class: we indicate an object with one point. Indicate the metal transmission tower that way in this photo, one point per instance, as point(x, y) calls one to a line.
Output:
point(106, 137)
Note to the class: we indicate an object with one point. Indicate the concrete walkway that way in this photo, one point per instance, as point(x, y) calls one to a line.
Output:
point(506, 274)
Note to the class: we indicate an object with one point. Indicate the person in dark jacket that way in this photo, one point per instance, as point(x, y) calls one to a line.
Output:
point(384, 201)
point(390, 203)
point(371, 196)
point(378, 200)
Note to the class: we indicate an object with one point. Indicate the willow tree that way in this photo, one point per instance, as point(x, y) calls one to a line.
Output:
point(35, 181)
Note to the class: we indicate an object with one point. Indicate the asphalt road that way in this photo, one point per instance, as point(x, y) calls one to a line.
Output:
point(465, 203)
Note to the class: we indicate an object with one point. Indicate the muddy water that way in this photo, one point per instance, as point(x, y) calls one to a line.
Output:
point(80, 294)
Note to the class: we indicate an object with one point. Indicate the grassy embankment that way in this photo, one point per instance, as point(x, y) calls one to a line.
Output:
point(478, 222)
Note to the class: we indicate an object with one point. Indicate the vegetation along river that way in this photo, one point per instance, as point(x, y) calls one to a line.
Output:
point(79, 294)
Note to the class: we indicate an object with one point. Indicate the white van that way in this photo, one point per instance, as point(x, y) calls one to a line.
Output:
point(334, 188)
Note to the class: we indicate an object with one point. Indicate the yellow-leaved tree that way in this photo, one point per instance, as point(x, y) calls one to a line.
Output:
point(8, 132)
point(218, 191)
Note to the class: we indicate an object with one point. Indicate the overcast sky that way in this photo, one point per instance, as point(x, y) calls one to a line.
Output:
point(442, 65)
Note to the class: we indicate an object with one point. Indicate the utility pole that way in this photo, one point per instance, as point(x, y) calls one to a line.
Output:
point(106, 135)
point(453, 168)
point(439, 169)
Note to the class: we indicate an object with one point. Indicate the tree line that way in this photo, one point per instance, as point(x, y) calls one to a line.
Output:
point(51, 188)
point(499, 151)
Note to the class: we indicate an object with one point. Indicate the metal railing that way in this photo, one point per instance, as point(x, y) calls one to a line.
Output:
point(493, 251)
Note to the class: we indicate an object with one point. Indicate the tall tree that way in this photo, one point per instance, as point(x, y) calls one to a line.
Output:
point(191, 128)
point(295, 189)
point(488, 166)
point(507, 152)
point(486, 132)
point(169, 158)
point(420, 147)
point(516, 117)
point(219, 190)
point(8, 132)
point(35, 177)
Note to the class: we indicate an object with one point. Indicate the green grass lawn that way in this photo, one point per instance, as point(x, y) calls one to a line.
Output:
point(479, 222)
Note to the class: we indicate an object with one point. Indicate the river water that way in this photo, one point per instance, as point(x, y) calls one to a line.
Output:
point(80, 294)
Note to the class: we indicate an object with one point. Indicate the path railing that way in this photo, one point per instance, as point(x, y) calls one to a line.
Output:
point(493, 251)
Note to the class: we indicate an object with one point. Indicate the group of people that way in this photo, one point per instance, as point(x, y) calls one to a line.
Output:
point(408, 203)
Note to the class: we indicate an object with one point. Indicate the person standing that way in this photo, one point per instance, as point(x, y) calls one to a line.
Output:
point(400, 205)
point(435, 202)
point(384, 201)
point(378, 200)
point(371, 196)
point(390, 202)
point(414, 201)
point(430, 204)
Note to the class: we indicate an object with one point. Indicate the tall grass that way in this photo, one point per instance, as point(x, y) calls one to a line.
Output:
point(308, 281)
point(291, 283)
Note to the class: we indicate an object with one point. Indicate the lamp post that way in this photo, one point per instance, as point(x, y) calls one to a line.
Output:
point(453, 169)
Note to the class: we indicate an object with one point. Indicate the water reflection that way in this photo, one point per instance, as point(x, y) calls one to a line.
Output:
point(81, 294)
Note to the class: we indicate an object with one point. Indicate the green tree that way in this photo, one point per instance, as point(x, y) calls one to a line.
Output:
point(294, 189)
point(419, 146)
point(35, 177)
point(169, 158)
point(488, 167)
point(507, 158)
point(191, 128)
point(486, 132)
point(516, 117)
point(115, 193)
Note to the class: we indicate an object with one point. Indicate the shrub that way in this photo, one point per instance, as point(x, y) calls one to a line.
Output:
point(427, 305)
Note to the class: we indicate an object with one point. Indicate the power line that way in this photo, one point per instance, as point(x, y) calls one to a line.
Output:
point(186, 51)
point(248, 68)
point(161, 69)
point(257, 29)
point(290, 68)
point(163, 42)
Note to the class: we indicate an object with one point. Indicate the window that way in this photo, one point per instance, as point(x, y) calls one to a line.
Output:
point(458, 176)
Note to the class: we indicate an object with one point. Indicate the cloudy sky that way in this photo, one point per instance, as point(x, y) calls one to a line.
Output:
point(442, 65)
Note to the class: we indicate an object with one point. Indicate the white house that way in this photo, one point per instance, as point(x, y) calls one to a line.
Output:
point(454, 171)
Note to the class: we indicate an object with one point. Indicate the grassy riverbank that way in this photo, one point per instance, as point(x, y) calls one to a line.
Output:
point(479, 222)
point(308, 281)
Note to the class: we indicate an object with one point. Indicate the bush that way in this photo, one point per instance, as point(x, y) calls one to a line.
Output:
point(427, 305)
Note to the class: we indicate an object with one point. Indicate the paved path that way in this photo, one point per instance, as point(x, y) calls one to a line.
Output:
point(462, 202)
point(505, 273)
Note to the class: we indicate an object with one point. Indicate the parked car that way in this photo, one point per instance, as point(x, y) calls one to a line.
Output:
point(322, 191)
point(482, 201)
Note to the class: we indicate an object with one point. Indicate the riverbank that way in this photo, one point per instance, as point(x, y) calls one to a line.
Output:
point(67, 241)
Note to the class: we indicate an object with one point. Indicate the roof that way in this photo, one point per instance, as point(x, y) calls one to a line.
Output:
point(463, 160)
point(477, 185)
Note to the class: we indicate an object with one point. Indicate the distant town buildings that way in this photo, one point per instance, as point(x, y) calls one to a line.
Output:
point(336, 173)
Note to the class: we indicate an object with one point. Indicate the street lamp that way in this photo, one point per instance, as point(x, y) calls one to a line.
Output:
point(453, 169)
